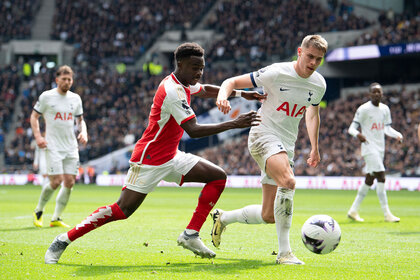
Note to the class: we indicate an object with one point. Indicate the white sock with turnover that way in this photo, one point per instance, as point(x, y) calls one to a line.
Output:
point(363, 190)
point(45, 196)
point(381, 192)
point(283, 213)
point(61, 202)
point(250, 214)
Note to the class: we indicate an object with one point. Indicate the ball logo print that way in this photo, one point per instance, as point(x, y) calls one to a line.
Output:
point(321, 234)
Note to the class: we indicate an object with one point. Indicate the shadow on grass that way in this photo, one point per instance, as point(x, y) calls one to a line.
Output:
point(229, 266)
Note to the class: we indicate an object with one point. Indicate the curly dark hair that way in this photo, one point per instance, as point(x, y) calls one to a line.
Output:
point(188, 49)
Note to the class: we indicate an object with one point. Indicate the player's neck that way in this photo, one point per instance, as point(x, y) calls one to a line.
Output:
point(179, 78)
point(61, 91)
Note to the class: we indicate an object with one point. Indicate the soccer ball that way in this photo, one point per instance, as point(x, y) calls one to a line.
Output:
point(321, 234)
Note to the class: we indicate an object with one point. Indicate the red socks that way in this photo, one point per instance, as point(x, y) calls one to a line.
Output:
point(206, 201)
point(98, 218)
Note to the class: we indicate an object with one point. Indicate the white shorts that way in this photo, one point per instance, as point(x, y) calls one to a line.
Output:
point(42, 168)
point(374, 163)
point(144, 178)
point(61, 162)
point(262, 146)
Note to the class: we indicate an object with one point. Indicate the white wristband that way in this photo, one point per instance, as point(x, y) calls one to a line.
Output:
point(238, 93)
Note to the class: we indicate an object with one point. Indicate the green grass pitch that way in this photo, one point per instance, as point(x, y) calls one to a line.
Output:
point(370, 250)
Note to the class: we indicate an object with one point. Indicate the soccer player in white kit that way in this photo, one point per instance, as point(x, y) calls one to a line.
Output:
point(293, 90)
point(374, 118)
point(60, 108)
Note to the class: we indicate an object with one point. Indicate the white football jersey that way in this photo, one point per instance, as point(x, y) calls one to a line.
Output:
point(372, 120)
point(288, 96)
point(59, 112)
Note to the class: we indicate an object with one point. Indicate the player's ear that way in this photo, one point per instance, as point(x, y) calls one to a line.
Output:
point(299, 51)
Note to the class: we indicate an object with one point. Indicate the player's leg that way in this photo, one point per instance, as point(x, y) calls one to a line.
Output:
point(132, 196)
point(251, 214)
point(279, 170)
point(62, 199)
point(44, 197)
point(54, 170)
point(128, 202)
point(215, 178)
point(70, 170)
point(383, 200)
point(353, 212)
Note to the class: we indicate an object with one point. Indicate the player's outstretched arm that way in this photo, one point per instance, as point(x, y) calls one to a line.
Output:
point(196, 130)
point(212, 91)
point(238, 82)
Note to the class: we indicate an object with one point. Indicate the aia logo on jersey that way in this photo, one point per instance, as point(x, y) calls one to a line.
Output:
point(377, 126)
point(294, 112)
point(64, 116)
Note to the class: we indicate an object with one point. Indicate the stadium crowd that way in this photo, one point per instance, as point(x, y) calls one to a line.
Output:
point(393, 29)
point(107, 31)
point(249, 28)
point(16, 17)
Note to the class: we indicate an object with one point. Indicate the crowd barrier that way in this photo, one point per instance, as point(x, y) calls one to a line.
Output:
point(302, 182)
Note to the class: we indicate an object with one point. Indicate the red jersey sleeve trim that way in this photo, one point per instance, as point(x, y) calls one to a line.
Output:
point(187, 119)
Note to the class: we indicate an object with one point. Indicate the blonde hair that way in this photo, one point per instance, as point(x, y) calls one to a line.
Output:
point(316, 41)
point(64, 70)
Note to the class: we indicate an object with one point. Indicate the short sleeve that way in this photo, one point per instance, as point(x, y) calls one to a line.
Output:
point(358, 117)
point(179, 107)
point(40, 105)
point(388, 120)
point(196, 88)
point(79, 110)
point(263, 77)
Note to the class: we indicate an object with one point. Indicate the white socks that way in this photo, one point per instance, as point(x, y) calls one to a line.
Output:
point(61, 202)
point(250, 214)
point(45, 196)
point(381, 192)
point(363, 190)
point(283, 212)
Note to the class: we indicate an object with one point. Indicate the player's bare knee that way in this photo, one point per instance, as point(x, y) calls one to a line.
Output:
point(290, 183)
point(56, 182)
point(219, 174)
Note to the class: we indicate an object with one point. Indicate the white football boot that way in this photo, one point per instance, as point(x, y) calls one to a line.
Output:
point(355, 217)
point(55, 251)
point(391, 218)
point(288, 258)
point(194, 244)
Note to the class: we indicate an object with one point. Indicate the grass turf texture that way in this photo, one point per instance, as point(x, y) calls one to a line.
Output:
point(144, 246)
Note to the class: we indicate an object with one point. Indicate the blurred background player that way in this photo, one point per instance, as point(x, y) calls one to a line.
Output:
point(374, 118)
point(156, 156)
point(59, 108)
point(293, 90)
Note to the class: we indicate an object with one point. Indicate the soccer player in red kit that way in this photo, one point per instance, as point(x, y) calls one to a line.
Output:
point(156, 156)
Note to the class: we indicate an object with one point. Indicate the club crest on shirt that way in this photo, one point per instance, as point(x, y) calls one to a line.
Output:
point(310, 95)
